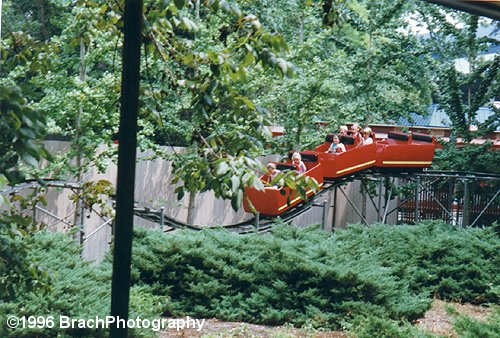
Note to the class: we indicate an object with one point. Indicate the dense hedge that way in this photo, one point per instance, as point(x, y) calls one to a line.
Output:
point(433, 258)
point(366, 280)
point(78, 290)
point(466, 326)
point(308, 276)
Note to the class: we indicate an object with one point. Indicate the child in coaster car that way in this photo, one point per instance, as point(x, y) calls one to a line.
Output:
point(336, 146)
point(367, 136)
point(297, 162)
point(272, 171)
point(356, 133)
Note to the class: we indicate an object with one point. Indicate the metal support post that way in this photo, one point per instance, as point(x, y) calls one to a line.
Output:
point(486, 207)
point(34, 209)
point(417, 200)
point(82, 223)
point(431, 194)
point(325, 210)
point(354, 207)
point(257, 221)
point(162, 218)
point(465, 220)
point(450, 199)
point(334, 216)
point(379, 209)
point(388, 200)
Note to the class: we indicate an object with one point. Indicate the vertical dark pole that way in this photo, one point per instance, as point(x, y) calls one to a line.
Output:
point(334, 208)
point(126, 165)
point(450, 201)
point(465, 219)
point(417, 201)
point(82, 223)
point(323, 218)
point(379, 209)
point(162, 218)
point(33, 209)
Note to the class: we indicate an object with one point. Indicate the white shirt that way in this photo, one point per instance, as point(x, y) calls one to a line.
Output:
point(272, 176)
point(333, 147)
point(301, 167)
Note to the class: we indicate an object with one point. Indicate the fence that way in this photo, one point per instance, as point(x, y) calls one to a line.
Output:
point(467, 200)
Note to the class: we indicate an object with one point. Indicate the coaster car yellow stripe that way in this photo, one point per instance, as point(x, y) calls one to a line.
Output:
point(355, 167)
point(309, 192)
point(408, 162)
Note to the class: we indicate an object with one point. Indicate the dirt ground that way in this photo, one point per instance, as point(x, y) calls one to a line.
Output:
point(437, 321)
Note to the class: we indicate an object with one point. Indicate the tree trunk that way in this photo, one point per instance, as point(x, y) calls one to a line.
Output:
point(43, 19)
point(301, 33)
point(78, 127)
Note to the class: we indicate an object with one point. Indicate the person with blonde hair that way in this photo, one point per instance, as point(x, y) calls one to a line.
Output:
point(343, 130)
point(297, 162)
point(367, 136)
point(272, 171)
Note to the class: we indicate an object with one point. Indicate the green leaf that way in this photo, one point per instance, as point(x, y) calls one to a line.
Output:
point(3, 180)
point(257, 183)
point(180, 192)
point(290, 182)
point(179, 3)
point(30, 160)
point(235, 183)
point(236, 200)
point(222, 168)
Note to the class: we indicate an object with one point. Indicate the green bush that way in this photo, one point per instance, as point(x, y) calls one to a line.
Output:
point(468, 327)
point(371, 326)
point(78, 290)
point(433, 258)
point(307, 276)
point(370, 280)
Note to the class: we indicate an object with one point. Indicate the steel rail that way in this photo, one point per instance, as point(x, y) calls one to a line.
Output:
point(290, 215)
point(263, 224)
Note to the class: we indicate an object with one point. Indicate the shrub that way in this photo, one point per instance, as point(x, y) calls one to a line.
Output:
point(307, 276)
point(433, 258)
point(468, 327)
point(78, 290)
point(371, 280)
point(269, 279)
point(370, 326)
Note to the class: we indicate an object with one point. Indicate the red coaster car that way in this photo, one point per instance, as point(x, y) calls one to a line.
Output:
point(273, 201)
point(401, 151)
point(356, 158)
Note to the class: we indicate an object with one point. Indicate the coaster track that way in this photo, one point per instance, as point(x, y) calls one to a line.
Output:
point(260, 224)
point(264, 224)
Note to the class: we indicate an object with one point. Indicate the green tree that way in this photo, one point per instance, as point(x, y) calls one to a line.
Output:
point(21, 128)
point(353, 64)
point(460, 94)
point(190, 75)
point(454, 35)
